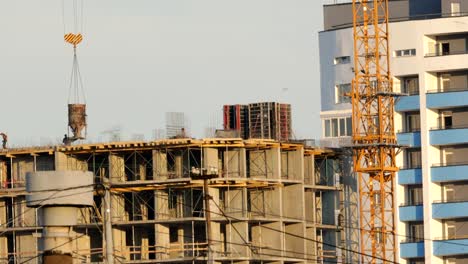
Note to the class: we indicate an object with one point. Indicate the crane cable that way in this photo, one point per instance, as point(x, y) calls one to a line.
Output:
point(74, 37)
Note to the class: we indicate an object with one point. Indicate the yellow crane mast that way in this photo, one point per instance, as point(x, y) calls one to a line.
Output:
point(374, 141)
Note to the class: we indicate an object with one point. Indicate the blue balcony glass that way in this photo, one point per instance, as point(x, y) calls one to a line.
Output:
point(411, 213)
point(440, 100)
point(407, 103)
point(412, 250)
point(447, 173)
point(412, 139)
point(450, 247)
point(448, 136)
point(409, 176)
point(448, 210)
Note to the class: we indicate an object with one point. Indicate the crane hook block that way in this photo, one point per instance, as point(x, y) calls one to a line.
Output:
point(73, 39)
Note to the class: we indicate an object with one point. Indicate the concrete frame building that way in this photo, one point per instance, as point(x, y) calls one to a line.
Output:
point(428, 42)
point(271, 202)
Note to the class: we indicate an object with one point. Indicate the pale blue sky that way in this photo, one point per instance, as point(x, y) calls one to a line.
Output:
point(142, 58)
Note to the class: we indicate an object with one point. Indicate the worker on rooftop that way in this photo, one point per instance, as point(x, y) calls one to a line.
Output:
point(4, 140)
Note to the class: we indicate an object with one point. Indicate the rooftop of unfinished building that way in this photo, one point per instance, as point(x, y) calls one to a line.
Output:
point(308, 145)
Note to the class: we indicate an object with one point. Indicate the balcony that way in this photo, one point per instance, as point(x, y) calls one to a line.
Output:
point(447, 172)
point(408, 176)
point(450, 247)
point(449, 209)
point(411, 213)
point(449, 135)
point(409, 139)
point(412, 249)
point(407, 103)
point(446, 53)
point(453, 97)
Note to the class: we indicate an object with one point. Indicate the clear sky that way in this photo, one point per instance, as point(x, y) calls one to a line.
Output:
point(142, 58)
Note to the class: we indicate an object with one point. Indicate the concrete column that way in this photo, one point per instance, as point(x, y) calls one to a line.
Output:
point(159, 165)
point(179, 166)
point(161, 204)
point(210, 160)
point(273, 160)
point(120, 244)
point(116, 168)
point(215, 226)
point(61, 161)
point(162, 241)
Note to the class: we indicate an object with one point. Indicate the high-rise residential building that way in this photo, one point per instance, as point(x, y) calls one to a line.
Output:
point(429, 64)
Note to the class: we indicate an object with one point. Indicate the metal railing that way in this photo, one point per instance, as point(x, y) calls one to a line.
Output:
point(452, 237)
point(409, 130)
point(413, 240)
point(411, 203)
point(446, 53)
point(448, 90)
point(450, 201)
point(411, 167)
point(447, 164)
point(444, 127)
point(410, 92)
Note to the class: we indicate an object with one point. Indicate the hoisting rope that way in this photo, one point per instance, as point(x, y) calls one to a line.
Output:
point(74, 37)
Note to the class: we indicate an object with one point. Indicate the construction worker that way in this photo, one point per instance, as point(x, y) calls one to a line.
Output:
point(66, 140)
point(4, 140)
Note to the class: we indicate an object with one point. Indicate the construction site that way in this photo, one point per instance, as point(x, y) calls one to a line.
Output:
point(269, 202)
point(254, 193)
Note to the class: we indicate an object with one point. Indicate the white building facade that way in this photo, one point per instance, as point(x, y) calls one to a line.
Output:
point(429, 63)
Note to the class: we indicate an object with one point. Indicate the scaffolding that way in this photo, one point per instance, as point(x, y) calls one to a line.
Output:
point(269, 201)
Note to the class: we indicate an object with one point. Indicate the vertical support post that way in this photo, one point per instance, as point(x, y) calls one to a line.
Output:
point(208, 220)
point(108, 228)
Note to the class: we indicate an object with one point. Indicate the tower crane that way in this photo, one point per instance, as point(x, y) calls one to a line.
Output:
point(374, 140)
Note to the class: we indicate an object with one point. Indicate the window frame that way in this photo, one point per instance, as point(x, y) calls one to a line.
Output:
point(333, 127)
point(340, 98)
point(404, 53)
point(342, 60)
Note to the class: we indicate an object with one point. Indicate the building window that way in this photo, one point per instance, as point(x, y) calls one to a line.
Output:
point(413, 158)
point(337, 127)
point(445, 120)
point(334, 127)
point(411, 85)
point(455, 9)
point(415, 195)
point(342, 60)
point(327, 128)
point(413, 122)
point(342, 93)
point(405, 53)
point(416, 231)
point(417, 261)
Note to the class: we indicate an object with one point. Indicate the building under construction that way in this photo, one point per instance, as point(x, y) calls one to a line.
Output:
point(267, 120)
point(269, 202)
